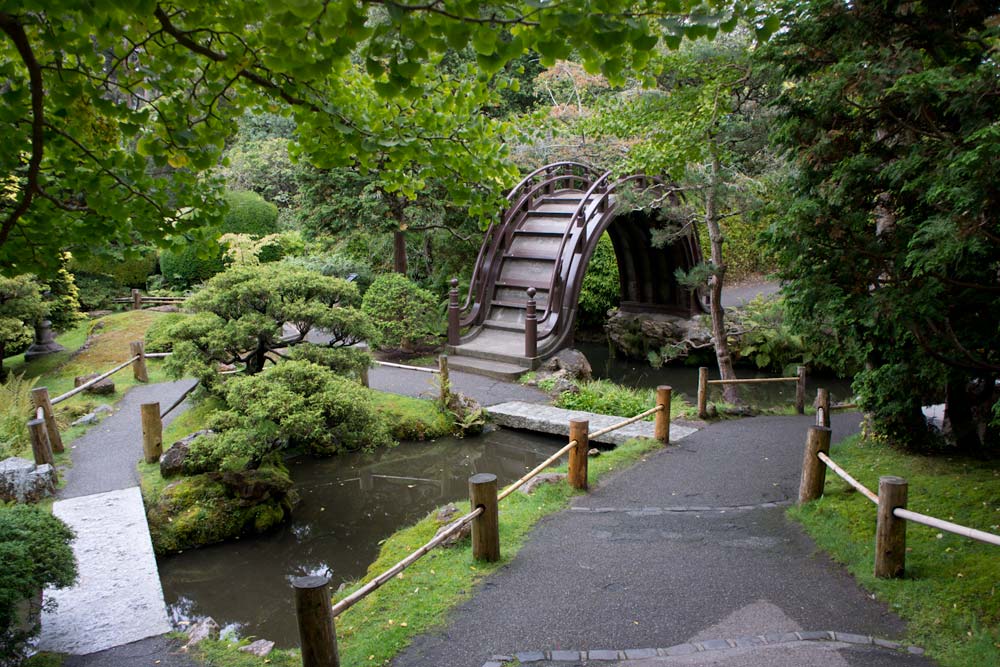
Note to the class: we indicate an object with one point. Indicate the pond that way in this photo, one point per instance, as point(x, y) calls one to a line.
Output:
point(349, 505)
point(684, 379)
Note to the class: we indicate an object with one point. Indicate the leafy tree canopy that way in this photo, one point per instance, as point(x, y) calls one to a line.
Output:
point(891, 239)
point(114, 111)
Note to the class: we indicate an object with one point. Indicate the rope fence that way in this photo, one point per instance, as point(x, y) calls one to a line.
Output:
point(315, 612)
point(890, 501)
point(704, 383)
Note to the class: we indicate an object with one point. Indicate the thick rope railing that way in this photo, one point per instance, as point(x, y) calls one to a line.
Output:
point(846, 476)
point(91, 383)
point(626, 422)
point(422, 369)
point(343, 605)
point(539, 468)
point(948, 526)
point(180, 400)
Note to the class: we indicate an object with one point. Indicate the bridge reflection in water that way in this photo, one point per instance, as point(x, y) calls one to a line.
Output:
point(349, 505)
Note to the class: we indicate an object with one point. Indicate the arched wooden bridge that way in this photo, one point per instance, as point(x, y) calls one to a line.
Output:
point(541, 248)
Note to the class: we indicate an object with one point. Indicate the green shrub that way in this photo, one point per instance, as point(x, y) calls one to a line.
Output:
point(191, 264)
point(249, 213)
point(403, 314)
point(35, 552)
point(765, 338)
point(607, 398)
point(338, 266)
point(96, 292)
point(300, 404)
point(601, 290)
point(63, 300)
point(158, 336)
point(126, 270)
point(16, 409)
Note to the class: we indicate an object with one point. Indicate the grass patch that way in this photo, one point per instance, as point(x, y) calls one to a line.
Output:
point(413, 418)
point(950, 595)
point(607, 398)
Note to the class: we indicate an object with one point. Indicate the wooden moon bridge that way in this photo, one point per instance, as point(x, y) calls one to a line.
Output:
point(523, 296)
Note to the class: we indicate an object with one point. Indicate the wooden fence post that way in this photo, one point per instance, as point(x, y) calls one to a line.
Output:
point(702, 392)
point(138, 349)
point(136, 299)
point(152, 432)
point(317, 632)
point(454, 332)
point(814, 470)
point(661, 426)
point(445, 380)
point(486, 526)
point(530, 326)
point(40, 399)
point(40, 446)
point(890, 532)
point(822, 407)
point(579, 430)
point(800, 390)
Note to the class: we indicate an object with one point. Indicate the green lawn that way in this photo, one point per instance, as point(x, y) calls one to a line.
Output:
point(950, 595)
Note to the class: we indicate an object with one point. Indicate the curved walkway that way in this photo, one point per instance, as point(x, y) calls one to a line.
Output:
point(626, 570)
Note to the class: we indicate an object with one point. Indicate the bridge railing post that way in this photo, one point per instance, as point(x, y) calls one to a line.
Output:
point(530, 326)
point(453, 326)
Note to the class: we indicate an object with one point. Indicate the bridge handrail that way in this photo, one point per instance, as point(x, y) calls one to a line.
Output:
point(523, 195)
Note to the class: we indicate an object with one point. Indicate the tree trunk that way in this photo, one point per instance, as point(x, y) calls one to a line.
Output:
point(719, 340)
point(399, 251)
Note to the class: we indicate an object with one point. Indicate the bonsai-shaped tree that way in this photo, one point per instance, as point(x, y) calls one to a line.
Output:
point(249, 316)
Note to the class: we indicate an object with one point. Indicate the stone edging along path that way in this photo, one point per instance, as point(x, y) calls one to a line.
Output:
point(748, 642)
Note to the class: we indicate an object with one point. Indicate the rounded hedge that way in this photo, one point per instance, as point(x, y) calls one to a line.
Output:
point(403, 314)
point(249, 213)
point(190, 265)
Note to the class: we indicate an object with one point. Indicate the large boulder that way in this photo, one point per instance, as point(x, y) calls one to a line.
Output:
point(174, 460)
point(638, 334)
point(573, 362)
point(105, 386)
point(21, 481)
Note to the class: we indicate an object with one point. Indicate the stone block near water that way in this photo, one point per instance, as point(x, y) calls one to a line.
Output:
point(21, 481)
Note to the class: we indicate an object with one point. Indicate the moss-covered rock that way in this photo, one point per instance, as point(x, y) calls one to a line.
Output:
point(214, 507)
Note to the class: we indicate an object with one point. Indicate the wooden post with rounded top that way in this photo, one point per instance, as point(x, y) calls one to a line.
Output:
point(138, 349)
point(40, 446)
point(661, 425)
point(814, 470)
point(445, 380)
point(40, 399)
point(454, 337)
point(530, 326)
point(486, 526)
point(152, 432)
point(702, 392)
point(136, 300)
point(317, 632)
point(822, 407)
point(579, 430)
point(890, 532)
point(800, 390)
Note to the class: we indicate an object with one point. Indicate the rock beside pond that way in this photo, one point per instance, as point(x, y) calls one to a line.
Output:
point(21, 481)
point(204, 629)
point(105, 386)
point(573, 362)
point(174, 460)
point(543, 478)
point(445, 516)
point(260, 648)
point(637, 334)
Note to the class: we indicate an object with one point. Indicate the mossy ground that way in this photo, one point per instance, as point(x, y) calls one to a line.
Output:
point(418, 601)
point(950, 595)
point(413, 418)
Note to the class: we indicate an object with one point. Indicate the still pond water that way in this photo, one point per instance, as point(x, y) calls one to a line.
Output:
point(349, 505)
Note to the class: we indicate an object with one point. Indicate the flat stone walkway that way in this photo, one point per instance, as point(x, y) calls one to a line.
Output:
point(118, 598)
point(548, 419)
point(690, 548)
point(486, 391)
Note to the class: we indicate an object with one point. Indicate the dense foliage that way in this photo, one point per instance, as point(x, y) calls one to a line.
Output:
point(241, 313)
point(601, 289)
point(20, 306)
point(16, 408)
point(35, 552)
point(402, 314)
point(890, 239)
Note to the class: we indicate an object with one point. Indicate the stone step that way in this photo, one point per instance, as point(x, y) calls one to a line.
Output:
point(548, 419)
point(499, 370)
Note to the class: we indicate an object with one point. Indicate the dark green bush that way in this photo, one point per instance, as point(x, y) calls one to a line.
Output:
point(96, 292)
point(249, 213)
point(191, 264)
point(600, 291)
point(294, 404)
point(35, 553)
point(338, 266)
point(126, 270)
point(403, 314)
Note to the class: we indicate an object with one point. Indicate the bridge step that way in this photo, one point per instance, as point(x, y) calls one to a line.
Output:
point(498, 370)
point(547, 419)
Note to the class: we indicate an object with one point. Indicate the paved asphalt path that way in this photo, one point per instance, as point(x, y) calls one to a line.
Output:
point(486, 391)
point(744, 293)
point(622, 569)
point(105, 457)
